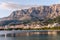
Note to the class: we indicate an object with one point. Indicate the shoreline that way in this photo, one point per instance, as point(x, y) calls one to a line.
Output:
point(30, 30)
point(3, 32)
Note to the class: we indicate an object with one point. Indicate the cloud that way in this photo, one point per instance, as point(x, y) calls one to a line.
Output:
point(12, 6)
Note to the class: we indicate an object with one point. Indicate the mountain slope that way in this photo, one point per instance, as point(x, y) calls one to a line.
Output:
point(35, 13)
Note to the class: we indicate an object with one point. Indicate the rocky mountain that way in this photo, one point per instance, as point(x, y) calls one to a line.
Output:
point(35, 13)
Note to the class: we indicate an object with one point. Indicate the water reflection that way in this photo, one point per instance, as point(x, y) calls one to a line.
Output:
point(41, 35)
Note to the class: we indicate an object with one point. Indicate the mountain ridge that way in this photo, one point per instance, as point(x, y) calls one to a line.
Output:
point(35, 13)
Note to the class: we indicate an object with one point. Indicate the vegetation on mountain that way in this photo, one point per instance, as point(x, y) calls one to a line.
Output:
point(42, 15)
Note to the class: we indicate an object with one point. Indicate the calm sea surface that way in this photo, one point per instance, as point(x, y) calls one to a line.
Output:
point(32, 35)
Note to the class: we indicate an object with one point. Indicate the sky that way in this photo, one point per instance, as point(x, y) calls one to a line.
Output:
point(8, 6)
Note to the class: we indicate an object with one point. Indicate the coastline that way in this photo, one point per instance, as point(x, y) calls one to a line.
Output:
point(29, 30)
point(3, 32)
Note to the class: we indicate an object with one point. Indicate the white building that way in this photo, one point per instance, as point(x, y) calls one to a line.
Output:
point(49, 25)
point(56, 25)
point(53, 25)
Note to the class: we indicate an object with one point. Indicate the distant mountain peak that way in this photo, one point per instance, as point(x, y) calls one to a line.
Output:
point(41, 12)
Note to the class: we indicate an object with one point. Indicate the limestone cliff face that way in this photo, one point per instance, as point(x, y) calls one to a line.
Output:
point(41, 12)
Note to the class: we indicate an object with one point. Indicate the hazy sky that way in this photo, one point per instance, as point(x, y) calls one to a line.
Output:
point(7, 6)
